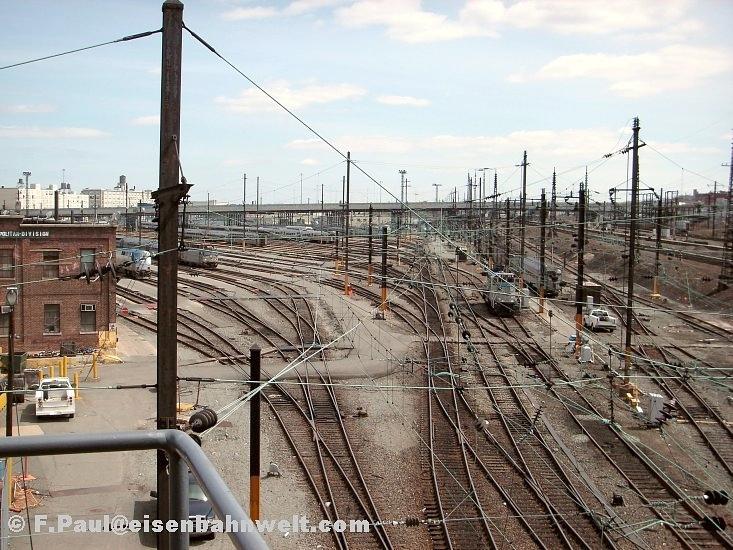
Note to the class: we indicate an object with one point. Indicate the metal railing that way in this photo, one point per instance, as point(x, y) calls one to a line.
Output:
point(181, 451)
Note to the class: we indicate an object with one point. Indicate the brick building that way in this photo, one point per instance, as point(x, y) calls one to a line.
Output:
point(44, 261)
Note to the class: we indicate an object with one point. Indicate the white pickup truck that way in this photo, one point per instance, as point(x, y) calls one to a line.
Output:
point(55, 397)
point(599, 319)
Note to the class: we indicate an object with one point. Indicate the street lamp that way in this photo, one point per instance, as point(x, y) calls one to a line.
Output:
point(11, 298)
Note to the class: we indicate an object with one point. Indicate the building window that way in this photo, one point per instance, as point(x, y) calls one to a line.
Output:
point(51, 264)
point(4, 324)
point(6, 264)
point(88, 319)
point(87, 259)
point(51, 319)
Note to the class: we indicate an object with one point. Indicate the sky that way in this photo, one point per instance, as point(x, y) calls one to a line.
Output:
point(439, 89)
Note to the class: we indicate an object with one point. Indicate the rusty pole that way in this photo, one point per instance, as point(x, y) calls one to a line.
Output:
point(581, 269)
point(369, 277)
point(383, 304)
point(167, 196)
point(346, 225)
point(254, 433)
point(632, 249)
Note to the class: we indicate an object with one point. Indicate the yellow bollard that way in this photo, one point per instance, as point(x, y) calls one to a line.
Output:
point(95, 367)
point(76, 384)
point(51, 371)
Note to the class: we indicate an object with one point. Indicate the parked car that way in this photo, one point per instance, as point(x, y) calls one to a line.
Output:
point(55, 397)
point(198, 507)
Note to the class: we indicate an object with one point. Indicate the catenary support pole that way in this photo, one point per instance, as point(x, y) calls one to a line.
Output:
point(254, 433)
point(658, 248)
point(632, 249)
point(581, 269)
point(507, 244)
point(523, 217)
point(369, 276)
point(244, 210)
point(169, 194)
point(346, 224)
point(543, 271)
point(383, 303)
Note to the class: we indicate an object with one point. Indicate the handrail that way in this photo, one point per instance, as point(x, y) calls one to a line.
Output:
point(178, 446)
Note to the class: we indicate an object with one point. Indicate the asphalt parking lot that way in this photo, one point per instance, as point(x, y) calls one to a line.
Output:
point(88, 487)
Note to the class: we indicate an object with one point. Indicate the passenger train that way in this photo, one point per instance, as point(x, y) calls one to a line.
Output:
point(196, 255)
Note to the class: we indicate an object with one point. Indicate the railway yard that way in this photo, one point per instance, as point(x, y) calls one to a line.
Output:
point(442, 424)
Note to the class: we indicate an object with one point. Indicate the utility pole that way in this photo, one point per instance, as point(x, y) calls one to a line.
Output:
point(346, 252)
point(543, 222)
point(255, 375)
point(257, 206)
point(553, 204)
point(714, 207)
point(127, 205)
point(369, 277)
point(658, 249)
point(402, 185)
point(494, 219)
point(140, 223)
point(632, 249)
point(508, 238)
point(244, 210)
point(27, 175)
point(581, 269)
point(383, 303)
point(726, 271)
point(523, 206)
point(208, 214)
point(301, 188)
point(167, 196)
point(343, 205)
point(323, 220)
point(436, 185)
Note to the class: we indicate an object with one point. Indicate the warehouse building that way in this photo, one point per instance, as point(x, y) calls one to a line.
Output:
point(65, 294)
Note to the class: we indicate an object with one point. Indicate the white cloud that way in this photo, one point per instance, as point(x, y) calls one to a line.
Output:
point(671, 68)
point(408, 21)
point(582, 16)
point(27, 109)
point(309, 162)
point(257, 12)
point(252, 100)
point(148, 120)
point(298, 7)
point(35, 132)
point(403, 100)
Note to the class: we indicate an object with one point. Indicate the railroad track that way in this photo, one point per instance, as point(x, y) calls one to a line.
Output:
point(312, 425)
point(664, 496)
point(713, 430)
point(555, 512)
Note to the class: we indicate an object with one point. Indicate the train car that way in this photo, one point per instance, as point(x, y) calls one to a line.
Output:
point(503, 297)
point(133, 262)
point(204, 256)
point(532, 276)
